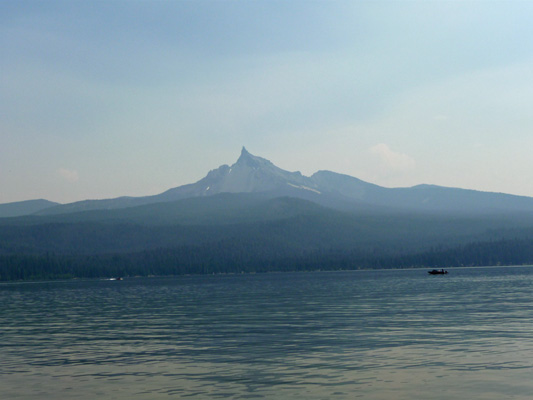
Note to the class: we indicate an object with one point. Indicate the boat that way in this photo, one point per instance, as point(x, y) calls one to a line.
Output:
point(437, 272)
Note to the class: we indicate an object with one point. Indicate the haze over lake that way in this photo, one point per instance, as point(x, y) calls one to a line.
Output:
point(389, 334)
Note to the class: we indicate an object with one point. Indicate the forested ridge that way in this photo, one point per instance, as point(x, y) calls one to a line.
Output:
point(233, 234)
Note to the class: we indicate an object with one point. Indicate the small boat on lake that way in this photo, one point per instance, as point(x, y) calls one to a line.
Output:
point(437, 272)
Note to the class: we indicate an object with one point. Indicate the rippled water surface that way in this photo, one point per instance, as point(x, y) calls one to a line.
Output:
point(338, 335)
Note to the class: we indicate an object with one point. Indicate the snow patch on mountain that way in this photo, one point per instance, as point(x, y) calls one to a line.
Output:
point(304, 188)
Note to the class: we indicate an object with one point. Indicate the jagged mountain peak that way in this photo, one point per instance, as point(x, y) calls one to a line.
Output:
point(248, 159)
point(244, 152)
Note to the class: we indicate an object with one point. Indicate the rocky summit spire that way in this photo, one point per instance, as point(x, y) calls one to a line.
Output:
point(246, 157)
point(244, 153)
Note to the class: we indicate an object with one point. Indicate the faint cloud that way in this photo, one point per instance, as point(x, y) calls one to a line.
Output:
point(392, 160)
point(68, 174)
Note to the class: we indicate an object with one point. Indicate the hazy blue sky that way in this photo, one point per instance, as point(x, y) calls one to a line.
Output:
point(106, 98)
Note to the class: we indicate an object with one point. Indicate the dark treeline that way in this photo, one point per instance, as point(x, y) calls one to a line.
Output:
point(232, 257)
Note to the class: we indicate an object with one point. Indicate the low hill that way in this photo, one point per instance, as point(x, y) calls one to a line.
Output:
point(27, 207)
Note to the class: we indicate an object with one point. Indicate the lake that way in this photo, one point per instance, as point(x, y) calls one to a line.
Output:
point(389, 334)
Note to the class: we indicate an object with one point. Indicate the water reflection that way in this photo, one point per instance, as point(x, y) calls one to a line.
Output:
point(372, 334)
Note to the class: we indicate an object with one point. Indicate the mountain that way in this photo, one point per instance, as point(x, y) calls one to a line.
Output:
point(254, 216)
point(253, 174)
point(18, 208)
point(250, 174)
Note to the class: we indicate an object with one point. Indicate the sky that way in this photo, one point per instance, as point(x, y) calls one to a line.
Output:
point(103, 99)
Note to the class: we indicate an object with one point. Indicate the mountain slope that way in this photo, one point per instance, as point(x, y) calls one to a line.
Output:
point(220, 209)
point(424, 198)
